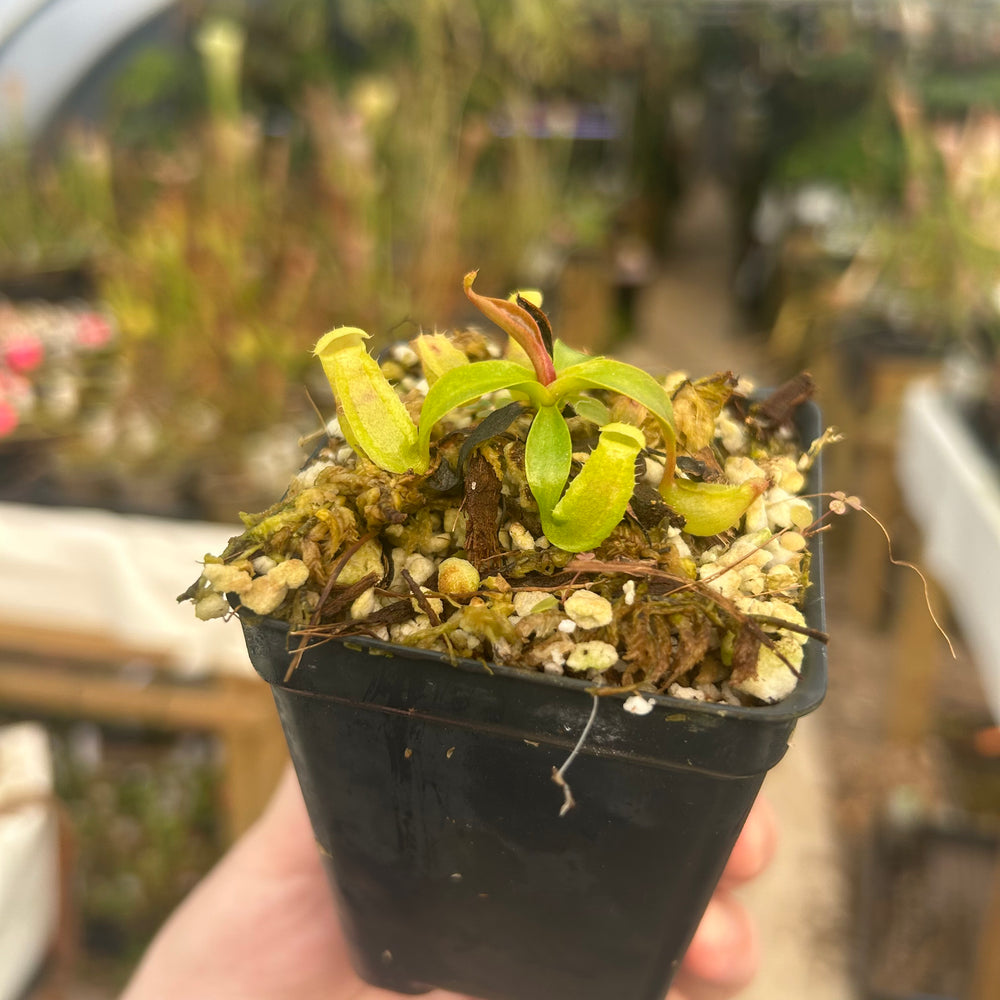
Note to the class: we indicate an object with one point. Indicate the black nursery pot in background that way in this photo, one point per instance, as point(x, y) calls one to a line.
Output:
point(429, 785)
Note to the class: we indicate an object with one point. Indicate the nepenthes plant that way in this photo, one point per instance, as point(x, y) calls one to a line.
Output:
point(467, 490)
point(545, 375)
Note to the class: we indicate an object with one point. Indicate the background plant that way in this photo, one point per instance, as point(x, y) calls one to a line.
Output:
point(273, 178)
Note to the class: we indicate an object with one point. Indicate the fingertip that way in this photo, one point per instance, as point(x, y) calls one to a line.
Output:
point(755, 846)
point(724, 949)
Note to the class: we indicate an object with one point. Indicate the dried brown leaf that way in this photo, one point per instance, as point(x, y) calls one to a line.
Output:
point(482, 513)
point(746, 649)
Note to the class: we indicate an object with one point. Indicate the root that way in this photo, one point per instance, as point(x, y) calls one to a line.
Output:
point(559, 774)
point(839, 504)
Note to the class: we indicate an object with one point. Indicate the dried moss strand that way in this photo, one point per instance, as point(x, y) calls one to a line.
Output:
point(318, 613)
point(812, 633)
point(421, 598)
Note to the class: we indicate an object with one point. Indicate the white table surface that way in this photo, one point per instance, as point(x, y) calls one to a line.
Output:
point(952, 491)
point(116, 575)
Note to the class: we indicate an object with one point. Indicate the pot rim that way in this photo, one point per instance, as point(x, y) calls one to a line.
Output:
point(806, 697)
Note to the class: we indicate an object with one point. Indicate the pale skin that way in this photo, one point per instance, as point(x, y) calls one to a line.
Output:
point(261, 925)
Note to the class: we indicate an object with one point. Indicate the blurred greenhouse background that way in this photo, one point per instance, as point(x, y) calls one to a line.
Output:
point(192, 192)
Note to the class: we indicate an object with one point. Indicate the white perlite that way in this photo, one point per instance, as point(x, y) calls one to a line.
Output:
point(520, 537)
point(364, 605)
point(588, 610)
point(261, 594)
point(638, 705)
point(525, 601)
point(419, 567)
point(266, 592)
point(223, 579)
point(211, 605)
point(773, 680)
point(592, 656)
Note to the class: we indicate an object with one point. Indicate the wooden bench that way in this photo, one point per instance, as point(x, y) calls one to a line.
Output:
point(52, 672)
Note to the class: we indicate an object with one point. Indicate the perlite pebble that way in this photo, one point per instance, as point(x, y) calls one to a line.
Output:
point(210, 605)
point(368, 559)
point(224, 579)
point(593, 655)
point(364, 605)
point(638, 705)
point(264, 595)
point(722, 579)
point(438, 543)
point(782, 577)
point(291, 573)
point(525, 601)
point(787, 511)
point(784, 473)
point(588, 610)
point(773, 679)
point(688, 693)
point(731, 433)
point(434, 603)
point(740, 469)
point(308, 476)
point(520, 537)
point(419, 567)
point(457, 576)
point(654, 472)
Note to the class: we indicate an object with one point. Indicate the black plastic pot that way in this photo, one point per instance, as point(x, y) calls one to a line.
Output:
point(429, 788)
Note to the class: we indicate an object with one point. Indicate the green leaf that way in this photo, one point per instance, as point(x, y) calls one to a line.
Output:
point(591, 409)
point(564, 356)
point(596, 499)
point(437, 355)
point(463, 385)
point(710, 508)
point(372, 417)
point(604, 373)
point(547, 603)
point(548, 456)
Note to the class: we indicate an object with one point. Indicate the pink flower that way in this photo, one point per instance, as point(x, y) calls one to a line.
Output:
point(8, 418)
point(93, 331)
point(24, 353)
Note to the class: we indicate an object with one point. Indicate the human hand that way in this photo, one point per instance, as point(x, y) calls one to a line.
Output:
point(722, 958)
point(262, 924)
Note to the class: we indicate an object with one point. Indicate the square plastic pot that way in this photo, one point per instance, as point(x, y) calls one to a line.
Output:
point(429, 786)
